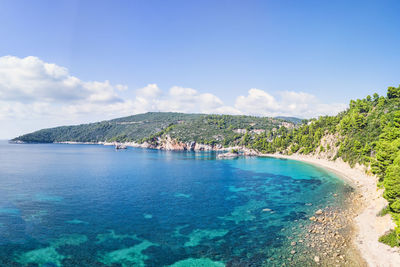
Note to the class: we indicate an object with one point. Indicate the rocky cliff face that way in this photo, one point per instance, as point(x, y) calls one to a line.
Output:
point(167, 143)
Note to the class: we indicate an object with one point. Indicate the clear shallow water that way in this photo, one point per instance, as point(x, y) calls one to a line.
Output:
point(89, 205)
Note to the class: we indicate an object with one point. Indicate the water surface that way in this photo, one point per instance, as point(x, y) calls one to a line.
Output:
point(89, 205)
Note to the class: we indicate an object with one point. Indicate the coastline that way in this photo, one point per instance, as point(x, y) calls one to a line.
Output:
point(170, 145)
point(367, 225)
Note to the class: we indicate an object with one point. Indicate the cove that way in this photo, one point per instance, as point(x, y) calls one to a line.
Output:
point(66, 204)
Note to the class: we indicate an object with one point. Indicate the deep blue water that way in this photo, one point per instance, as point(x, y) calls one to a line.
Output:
point(89, 205)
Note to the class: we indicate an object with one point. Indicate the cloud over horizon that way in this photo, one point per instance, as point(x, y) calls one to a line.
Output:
point(36, 94)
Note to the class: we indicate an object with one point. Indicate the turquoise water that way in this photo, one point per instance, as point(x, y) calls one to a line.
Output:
point(89, 205)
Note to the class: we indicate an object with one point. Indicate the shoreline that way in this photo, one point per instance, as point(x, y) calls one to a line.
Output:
point(169, 145)
point(367, 225)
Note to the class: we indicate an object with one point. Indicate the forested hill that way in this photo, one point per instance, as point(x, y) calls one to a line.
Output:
point(205, 129)
point(368, 133)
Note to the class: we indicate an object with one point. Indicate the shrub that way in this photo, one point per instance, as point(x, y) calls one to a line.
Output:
point(384, 211)
point(390, 239)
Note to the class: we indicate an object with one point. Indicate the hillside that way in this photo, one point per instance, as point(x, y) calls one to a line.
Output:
point(205, 129)
point(130, 128)
point(291, 119)
point(367, 133)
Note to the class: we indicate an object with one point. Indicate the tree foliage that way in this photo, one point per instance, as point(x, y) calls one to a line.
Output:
point(367, 133)
point(226, 130)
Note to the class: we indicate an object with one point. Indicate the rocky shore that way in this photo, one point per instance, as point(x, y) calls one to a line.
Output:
point(170, 144)
point(350, 235)
point(325, 239)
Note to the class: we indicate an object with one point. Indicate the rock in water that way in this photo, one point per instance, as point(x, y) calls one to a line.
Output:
point(228, 155)
point(318, 212)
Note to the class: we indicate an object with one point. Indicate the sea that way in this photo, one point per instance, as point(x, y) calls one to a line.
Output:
point(92, 205)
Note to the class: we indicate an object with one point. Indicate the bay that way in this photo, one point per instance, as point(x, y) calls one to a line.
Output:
point(90, 205)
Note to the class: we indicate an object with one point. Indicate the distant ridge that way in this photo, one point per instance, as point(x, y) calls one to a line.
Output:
point(200, 128)
point(291, 119)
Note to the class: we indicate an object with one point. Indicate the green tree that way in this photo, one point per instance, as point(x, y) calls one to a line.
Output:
point(392, 187)
point(393, 92)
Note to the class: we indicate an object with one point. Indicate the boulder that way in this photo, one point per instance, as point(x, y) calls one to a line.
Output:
point(316, 258)
point(318, 212)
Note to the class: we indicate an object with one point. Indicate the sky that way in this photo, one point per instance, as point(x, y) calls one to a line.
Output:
point(71, 62)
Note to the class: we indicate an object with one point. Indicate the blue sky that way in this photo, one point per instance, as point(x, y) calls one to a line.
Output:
point(330, 51)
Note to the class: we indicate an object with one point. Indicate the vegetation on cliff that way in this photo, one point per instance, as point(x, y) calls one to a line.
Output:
point(367, 133)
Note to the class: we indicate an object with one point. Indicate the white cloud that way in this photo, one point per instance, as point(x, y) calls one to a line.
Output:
point(179, 99)
point(150, 91)
point(289, 103)
point(257, 102)
point(30, 79)
point(121, 87)
point(228, 110)
point(182, 99)
point(147, 98)
point(307, 105)
point(35, 94)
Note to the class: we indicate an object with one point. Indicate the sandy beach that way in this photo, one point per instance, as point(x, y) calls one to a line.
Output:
point(369, 227)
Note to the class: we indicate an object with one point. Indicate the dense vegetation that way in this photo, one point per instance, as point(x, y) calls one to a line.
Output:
point(122, 129)
point(220, 129)
point(367, 133)
point(205, 129)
